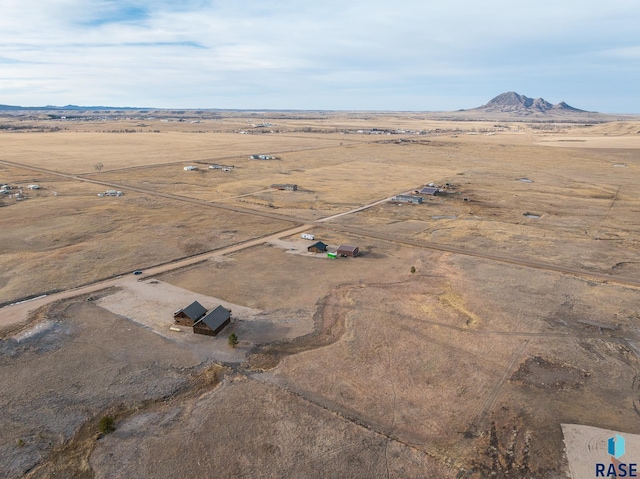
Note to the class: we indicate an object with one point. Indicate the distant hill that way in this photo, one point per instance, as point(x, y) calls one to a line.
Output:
point(67, 108)
point(520, 105)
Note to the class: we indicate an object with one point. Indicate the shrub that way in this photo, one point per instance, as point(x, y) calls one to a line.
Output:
point(107, 425)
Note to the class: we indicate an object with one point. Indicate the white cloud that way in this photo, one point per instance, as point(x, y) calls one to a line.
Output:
point(139, 52)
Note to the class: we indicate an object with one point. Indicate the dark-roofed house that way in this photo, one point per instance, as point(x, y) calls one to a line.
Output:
point(318, 247)
point(429, 190)
point(346, 250)
point(189, 315)
point(214, 322)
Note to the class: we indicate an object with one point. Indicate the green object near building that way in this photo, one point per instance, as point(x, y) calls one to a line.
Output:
point(332, 255)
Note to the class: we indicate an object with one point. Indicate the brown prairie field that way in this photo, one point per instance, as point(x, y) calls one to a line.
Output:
point(469, 329)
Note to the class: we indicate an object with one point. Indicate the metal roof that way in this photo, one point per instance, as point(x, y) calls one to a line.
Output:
point(427, 190)
point(216, 317)
point(408, 198)
point(346, 247)
point(194, 311)
point(320, 245)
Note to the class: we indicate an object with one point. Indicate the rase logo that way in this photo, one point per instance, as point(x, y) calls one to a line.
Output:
point(616, 449)
point(615, 446)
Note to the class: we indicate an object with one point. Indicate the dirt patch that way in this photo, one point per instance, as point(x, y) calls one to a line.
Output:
point(260, 431)
point(152, 304)
point(540, 373)
point(71, 459)
point(504, 451)
point(66, 370)
point(329, 327)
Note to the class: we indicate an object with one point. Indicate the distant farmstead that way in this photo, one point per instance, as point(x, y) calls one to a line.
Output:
point(189, 315)
point(111, 193)
point(190, 168)
point(214, 322)
point(346, 250)
point(285, 187)
point(407, 199)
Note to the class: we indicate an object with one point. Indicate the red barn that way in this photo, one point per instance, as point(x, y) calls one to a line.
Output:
point(346, 250)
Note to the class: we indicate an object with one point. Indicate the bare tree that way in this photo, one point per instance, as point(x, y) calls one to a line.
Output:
point(99, 167)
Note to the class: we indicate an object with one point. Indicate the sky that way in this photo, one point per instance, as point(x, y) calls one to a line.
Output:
point(402, 55)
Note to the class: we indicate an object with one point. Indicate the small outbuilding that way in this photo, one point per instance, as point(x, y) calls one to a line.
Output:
point(285, 187)
point(346, 250)
point(429, 190)
point(189, 315)
point(318, 247)
point(416, 200)
point(214, 322)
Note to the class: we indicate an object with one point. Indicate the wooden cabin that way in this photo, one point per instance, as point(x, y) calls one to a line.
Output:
point(214, 322)
point(318, 247)
point(189, 315)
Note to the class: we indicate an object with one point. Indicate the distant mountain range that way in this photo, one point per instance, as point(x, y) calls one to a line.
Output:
point(67, 108)
point(509, 105)
point(514, 103)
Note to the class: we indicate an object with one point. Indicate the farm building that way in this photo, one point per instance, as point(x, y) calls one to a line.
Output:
point(285, 187)
point(262, 157)
point(318, 247)
point(189, 315)
point(111, 193)
point(429, 190)
point(214, 322)
point(346, 250)
point(190, 168)
point(407, 199)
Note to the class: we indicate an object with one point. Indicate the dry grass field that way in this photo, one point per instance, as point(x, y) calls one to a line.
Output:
point(353, 367)
point(57, 242)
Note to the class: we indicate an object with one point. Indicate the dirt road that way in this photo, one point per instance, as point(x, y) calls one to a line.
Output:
point(18, 312)
point(491, 257)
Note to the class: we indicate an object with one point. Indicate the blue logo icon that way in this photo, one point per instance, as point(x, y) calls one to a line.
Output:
point(615, 446)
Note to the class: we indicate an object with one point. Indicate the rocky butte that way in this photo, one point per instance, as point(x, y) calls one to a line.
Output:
point(512, 102)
